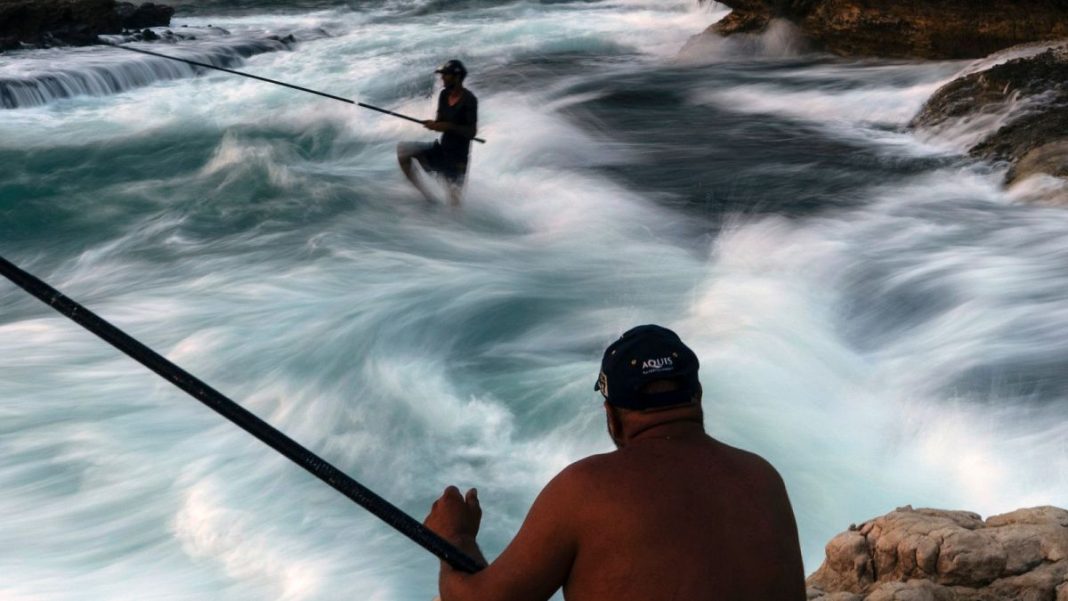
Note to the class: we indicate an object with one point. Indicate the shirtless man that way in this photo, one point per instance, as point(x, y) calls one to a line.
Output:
point(457, 120)
point(672, 514)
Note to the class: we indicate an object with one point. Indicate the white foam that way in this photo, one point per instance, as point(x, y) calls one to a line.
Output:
point(887, 106)
point(209, 530)
point(780, 40)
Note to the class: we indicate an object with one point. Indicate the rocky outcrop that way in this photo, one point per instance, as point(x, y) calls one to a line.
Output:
point(1032, 96)
point(937, 555)
point(44, 23)
point(147, 15)
point(906, 28)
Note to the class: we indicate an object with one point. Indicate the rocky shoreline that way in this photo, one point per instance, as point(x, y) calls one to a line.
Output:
point(1036, 141)
point(929, 29)
point(938, 555)
point(48, 23)
point(1026, 98)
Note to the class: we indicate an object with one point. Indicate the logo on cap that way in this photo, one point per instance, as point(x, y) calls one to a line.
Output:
point(651, 366)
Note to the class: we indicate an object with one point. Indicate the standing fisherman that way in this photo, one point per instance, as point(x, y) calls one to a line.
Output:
point(457, 120)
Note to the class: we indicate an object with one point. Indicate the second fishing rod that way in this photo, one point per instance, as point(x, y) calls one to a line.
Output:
point(275, 82)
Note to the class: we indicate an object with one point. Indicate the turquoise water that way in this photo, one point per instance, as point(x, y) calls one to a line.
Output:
point(873, 313)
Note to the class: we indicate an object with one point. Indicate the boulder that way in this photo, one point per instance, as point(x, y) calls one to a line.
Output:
point(146, 15)
point(940, 29)
point(45, 23)
point(1032, 95)
point(938, 555)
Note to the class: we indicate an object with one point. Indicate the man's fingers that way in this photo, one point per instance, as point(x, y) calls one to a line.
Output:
point(474, 508)
point(471, 498)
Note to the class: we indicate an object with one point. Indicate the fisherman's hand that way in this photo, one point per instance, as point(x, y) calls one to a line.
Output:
point(435, 125)
point(455, 518)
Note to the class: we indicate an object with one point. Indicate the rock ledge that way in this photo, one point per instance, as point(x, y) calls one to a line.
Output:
point(1032, 95)
point(45, 23)
point(941, 29)
point(938, 555)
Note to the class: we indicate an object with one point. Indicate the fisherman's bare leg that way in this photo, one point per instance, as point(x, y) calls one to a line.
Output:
point(455, 192)
point(404, 158)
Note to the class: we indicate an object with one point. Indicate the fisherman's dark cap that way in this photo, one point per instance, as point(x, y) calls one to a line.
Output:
point(643, 355)
point(453, 67)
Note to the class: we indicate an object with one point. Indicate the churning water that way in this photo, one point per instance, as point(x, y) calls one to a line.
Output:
point(873, 314)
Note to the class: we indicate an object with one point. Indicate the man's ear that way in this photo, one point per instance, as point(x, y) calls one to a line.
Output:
point(612, 417)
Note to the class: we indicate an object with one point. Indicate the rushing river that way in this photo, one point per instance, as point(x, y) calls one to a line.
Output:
point(873, 313)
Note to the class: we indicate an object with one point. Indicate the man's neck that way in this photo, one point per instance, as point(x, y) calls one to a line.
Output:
point(681, 428)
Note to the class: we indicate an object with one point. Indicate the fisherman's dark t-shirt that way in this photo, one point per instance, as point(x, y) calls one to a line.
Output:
point(456, 147)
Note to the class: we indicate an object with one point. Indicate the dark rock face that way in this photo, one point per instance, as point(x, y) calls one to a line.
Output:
point(937, 555)
point(1035, 139)
point(907, 28)
point(146, 15)
point(49, 22)
point(43, 23)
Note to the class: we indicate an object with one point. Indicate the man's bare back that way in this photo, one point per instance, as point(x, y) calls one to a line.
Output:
point(671, 514)
point(685, 518)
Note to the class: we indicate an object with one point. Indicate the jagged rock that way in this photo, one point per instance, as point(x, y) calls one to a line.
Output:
point(44, 23)
point(288, 40)
point(1048, 159)
point(146, 15)
point(1035, 138)
point(937, 555)
point(906, 28)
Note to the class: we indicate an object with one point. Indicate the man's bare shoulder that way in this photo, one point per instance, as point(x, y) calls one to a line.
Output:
point(756, 466)
point(587, 470)
point(584, 477)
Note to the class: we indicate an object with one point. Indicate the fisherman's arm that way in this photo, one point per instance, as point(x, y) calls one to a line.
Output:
point(470, 117)
point(468, 131)
point(535, 564)
point(787, 558)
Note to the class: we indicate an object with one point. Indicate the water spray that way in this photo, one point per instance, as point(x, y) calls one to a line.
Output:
point(243, 418)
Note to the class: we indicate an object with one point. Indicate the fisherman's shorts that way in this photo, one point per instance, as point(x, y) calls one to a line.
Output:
point(434, 160)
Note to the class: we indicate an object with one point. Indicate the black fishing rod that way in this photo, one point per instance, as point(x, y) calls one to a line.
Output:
point(276, 82)
point(244, 419)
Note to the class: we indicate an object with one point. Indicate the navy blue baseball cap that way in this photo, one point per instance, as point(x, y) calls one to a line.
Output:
point(643, 355)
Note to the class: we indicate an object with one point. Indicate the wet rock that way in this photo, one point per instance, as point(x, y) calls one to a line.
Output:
point(288, 40)
point(147, 15)
point(906, 28)
point(1031, 92)
point(46, 23)
point(936, 555)
point(1048, 159)
point(52, 22)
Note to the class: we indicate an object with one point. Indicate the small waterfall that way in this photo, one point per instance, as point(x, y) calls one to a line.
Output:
point(105, 71)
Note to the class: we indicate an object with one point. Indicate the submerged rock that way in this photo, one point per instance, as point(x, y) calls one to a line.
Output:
point(1030, 93)
point(937, 555)
point(45, 23)
point(906, 28)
